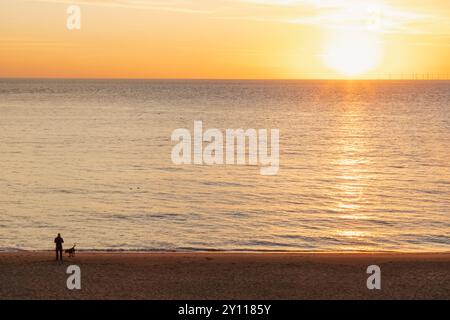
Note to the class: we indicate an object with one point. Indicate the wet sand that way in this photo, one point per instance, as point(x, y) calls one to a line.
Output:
point(35, 275)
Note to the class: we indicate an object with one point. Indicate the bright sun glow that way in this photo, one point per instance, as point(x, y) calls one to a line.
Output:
point(352, 53)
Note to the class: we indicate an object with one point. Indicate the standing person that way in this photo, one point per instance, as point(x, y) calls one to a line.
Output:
point(59, 248)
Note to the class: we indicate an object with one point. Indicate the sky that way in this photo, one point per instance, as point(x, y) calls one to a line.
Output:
point(226, 39)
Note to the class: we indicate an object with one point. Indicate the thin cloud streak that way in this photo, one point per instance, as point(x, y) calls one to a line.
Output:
point(353, 14)
point(169, 6)
point(340, 14)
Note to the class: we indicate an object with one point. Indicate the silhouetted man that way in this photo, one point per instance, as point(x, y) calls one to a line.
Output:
point(59, 248)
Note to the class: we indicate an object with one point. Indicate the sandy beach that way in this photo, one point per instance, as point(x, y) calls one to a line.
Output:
point(35, 275)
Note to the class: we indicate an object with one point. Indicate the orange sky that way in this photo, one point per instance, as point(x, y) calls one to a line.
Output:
point(226, 39)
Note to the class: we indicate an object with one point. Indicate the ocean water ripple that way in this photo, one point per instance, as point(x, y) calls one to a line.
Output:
point(364, 165)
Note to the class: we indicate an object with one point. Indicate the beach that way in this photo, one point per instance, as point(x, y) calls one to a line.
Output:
point(220, 275)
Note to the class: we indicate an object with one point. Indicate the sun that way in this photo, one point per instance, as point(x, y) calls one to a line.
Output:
point(352, 53)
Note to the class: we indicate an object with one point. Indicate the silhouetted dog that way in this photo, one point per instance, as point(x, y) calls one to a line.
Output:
point(71, 251)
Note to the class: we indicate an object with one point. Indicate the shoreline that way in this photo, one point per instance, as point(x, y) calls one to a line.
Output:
point(243, 251)
point(225, 276)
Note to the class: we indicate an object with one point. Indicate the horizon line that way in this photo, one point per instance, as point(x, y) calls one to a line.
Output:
point(222, 79)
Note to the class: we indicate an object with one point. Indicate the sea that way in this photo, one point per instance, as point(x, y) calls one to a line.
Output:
point(364, 165)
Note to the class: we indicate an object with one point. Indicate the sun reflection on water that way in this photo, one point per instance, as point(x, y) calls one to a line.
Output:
point(350, 171)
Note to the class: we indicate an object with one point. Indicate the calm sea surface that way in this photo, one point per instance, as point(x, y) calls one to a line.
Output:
point(364, 165)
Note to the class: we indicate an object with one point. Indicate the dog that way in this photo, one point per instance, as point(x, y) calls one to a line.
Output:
point(71, 251)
